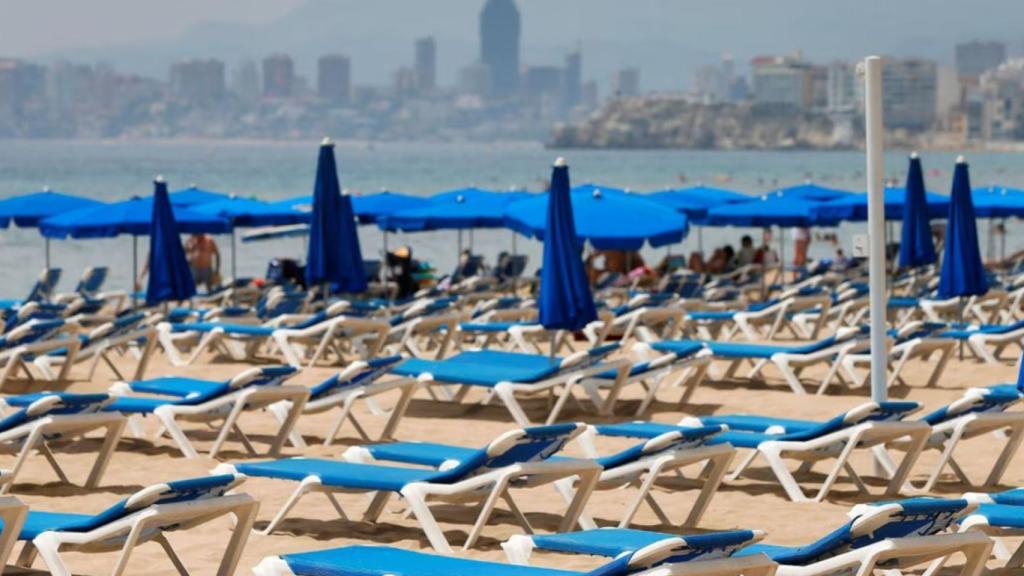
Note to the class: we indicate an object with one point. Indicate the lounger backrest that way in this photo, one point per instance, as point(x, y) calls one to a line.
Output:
point(31, 331)
point(92, 280)
point(867, 412)
point(55, 404)
point(586, 358)
point(356, 375)
point(875, 523)
point(513, 447)
point(117, 327)
point(678, 550)
point(177, 491)
point(264, 376)
point(44, 286)
point(973, 402)
point(681, 439)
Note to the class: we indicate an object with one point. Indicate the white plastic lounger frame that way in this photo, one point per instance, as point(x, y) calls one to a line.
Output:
point(687, 372)
point(980, 343)
point(645, 472)
point(227, 409)
point(149, 523)
point(12, 514)
point(101, 346)
point(485, 488)
point(646, 324)
point(997, 534)
point(899, 355)
point(18, 356)
point(346, 398)
point(34, 435)
point(329, 336)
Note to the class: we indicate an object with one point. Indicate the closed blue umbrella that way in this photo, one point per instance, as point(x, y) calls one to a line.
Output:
point(916, 246)
point(962, 271)
point(170, 278)
point(565, 300)
point(333, 243)
point(608, 219)
point(28, 210)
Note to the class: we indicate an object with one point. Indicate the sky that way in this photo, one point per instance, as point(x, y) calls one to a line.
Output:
point(667, 39)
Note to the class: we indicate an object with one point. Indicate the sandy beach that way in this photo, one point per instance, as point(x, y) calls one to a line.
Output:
point(754, 502)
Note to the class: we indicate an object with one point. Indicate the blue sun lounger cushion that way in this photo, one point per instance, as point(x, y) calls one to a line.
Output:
point(611, 542)
point(61, 403)
point(192, 391)
point(374, 369)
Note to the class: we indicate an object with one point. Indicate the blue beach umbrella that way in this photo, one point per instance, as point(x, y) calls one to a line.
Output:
point(608, 219)
point(465, 208)
point(696, 201)
point(28, 210)
point(333, 243)
point(854, 208)
point(916, 246)
point(811, 192)
point(772, 209)
point(962, 271)
point(194, 196)
point(565, 300)
point(371, 207)
point(132, 216)
point(170, 278)
point(998, 202)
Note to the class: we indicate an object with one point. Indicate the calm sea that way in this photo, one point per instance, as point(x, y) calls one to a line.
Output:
point(116, 170)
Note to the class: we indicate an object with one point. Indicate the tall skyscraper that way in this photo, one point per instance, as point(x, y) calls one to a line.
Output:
point(334, 78)
point(499, 45)
point(245, 81)
point(573, 80)
point(626, 83)
point(909, 93)
point(278, 76)
point(975, 58)
point(198, 81)
point(426, 65)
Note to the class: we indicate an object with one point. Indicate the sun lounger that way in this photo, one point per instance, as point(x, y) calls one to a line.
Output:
point(518, 457)
point(866, 426)
point(790, 359)
point(41, 291)
point(988, 341)
point(358, 381)
point(508, 374)
point(915, 340)
point(704, 555)
point(37, 420)
point(173, 399)
point(131, 333)
point(998, 516)
point(891, 536)
point(22, 345)
point(148, 515)
point(640, 465)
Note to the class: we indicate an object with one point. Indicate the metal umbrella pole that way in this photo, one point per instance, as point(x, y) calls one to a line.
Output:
point(47, 242)
point(874, 132)
point(135, 270)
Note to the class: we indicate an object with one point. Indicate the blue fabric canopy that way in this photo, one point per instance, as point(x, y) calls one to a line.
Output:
point(27, 210)
point(369, 208)
point(998, 202)
point(193, 196)
point(854, 207)
point(608, 219)
point(695, 201)
point(811, 192)
point(916, 246)
point(456, 209)
point(333, 255)
point(565, 301)
point(249, 212)
point(773, 209)
point(170, 277)
point(127, 217)
point(962, 271)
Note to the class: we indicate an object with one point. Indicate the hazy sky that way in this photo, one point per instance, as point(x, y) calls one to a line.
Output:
point(667, 39)
point(33, 26)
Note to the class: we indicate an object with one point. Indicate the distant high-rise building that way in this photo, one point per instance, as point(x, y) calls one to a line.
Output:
point(499, 46)
point(476, 79)
point(975, 58)
point(426, 65)
point(542, 82)
point(22, 86)
point(783, 81)
point(71, 87)
point(572, 80)
point(589, 94)
point(334, 78)
point(405, 82)
point(198, 81)
point(626, 83)
point(842, 87)
point(245, 81)
point(909, 89)
point(278, 76)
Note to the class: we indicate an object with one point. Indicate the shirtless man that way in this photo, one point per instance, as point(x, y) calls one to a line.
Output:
point(204, 258)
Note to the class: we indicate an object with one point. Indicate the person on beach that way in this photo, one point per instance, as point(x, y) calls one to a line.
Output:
point(204, 259)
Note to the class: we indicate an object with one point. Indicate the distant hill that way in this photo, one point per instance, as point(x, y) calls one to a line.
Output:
point(666, 38)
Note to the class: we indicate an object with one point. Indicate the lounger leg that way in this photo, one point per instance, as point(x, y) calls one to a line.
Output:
point(940, 367)
point(518, 549)
point(947, 453)
point(743, 465)
point(377, 502)
point(48, 549)
point(643, 492)
point(1006, 455)
point(841, 461)
point(290, 356)
point(13, 514)
point(280, 412)
point(584, 488)
point(166, 418)
point(916, 444)
point(774, 458)
point(399, 410)
point(30, 443)
point(245, 516)
point(171, 554)
point(514, 508)
point(565, 488)
point(114, 432)
point(507, 395)
point(713, 474)
point(416, 499)
point(27, 556)
point(297, 402)
point(52, 460)
point(227, 427)
point(486, 511)
point(305, 486)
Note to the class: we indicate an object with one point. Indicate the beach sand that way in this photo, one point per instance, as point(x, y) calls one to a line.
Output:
point(756, 502)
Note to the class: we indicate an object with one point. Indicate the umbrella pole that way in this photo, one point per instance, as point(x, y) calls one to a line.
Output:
point(515, 252)
point(782, 257)
point(961, 327)
point(471, 239)
point(47, 241)
point(1002, 242)
point(135, 270)
point(234, 257)
point(700, 240)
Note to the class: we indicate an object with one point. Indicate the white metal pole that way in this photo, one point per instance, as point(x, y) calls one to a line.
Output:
point(875, 147)
point(47, 253)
